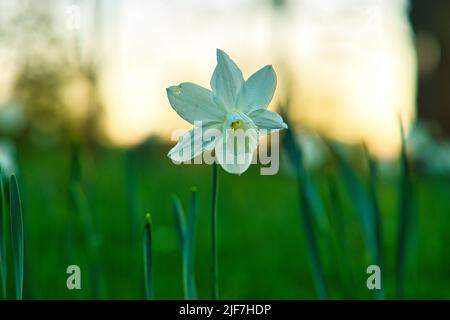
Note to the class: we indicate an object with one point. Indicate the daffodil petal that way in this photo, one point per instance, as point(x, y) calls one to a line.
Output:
point(194, 142)
point(227, 80)
point(268, 120)
point(234, 149)
point(258, 90)
point(194, 103)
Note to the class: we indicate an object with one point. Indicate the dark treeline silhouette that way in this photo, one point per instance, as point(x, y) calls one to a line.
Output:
point(432, 18)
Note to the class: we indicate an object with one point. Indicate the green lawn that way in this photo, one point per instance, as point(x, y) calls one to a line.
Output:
point(262, 249)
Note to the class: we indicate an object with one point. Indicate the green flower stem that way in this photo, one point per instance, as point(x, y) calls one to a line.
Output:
point(214, 267)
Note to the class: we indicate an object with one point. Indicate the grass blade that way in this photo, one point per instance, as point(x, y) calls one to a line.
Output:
point(364, 208)
point(74, 179)
point(179, 218)
point(295, 155)
point(148, 261)
point(134, 207)
point(17, 234)
point(3, 212)
point(214, 262)
point(186, 235)
point(91, 238)
point(306, 212)
point(407, 218)
point(376, 217)
point(75, 162)
point(189, 249)
point(338, 220)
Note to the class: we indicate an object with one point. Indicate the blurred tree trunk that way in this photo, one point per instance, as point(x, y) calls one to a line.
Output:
point(433, 18)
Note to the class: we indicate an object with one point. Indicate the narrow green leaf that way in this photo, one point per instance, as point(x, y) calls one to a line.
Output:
point(17, 234)
point(214, 258)
point(71, 214)
point(407, 225)
point(295, 155)
point(363, 206)
point(186, 232)
point(91, 239)
point(75, 162)
point(306, 211)
point(148, 261)
point(3, 213)
point(189, 249)
point(313, 249)
point(376, 218)
point(338, 220)
point(179, 219)
point(134, 207)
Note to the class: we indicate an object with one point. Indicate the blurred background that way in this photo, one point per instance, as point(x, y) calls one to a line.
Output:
point(352, 68)
point(82, 98)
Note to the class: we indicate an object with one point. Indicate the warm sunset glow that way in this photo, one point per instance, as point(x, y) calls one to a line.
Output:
point(351, 64)
point(353, 75)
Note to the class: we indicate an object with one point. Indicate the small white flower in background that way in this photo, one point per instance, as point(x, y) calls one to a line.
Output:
point(7, 164)
point(12, 118)
point(227, 119)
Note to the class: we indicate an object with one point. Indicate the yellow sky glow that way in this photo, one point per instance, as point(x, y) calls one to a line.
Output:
point(351, 63)
point(353, 66)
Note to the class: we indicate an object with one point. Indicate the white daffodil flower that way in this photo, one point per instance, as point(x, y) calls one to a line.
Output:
point(227, 119)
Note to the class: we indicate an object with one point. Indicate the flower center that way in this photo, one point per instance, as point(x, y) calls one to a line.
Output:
point(236, 124)
point(238, 120)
